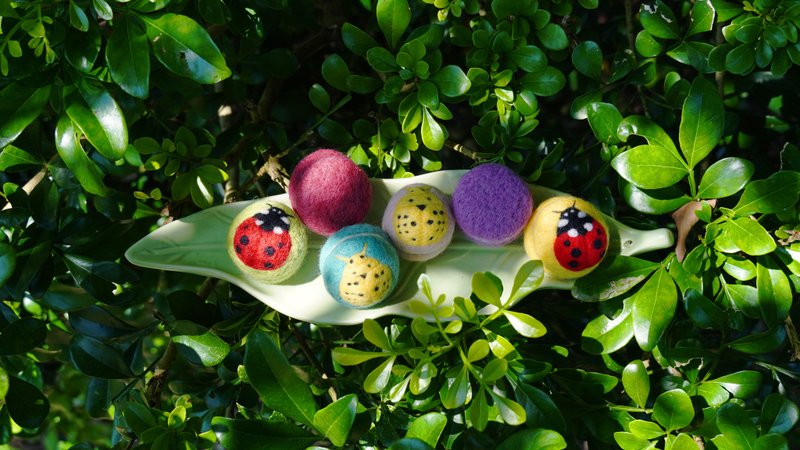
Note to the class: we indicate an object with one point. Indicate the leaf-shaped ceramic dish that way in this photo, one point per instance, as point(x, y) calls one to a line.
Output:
point(196, 244)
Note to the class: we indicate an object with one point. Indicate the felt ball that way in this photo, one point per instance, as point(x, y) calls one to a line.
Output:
point(267, 241)
point(329, 191)
point(419, 222)
point(359, 266)
point(568, 235)
point(492, 204)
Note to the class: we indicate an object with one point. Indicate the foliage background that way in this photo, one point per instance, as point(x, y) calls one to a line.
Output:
point(119, 116)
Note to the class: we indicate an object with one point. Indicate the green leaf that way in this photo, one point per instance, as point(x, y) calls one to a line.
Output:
point(553, 37)
point(22, 336)
point(703, 311)
point(744, 298)
point(378, 379)
point(433, 135)
point(393, 19)
point(546, 82)
point(253, 434)
point(486, 288)
point(381, 60)
point(128, 56)
point(673, 410)
point(511, 412)
point(684, 442)
point(528, 278)
point(648, 46)
point(533, 439)
point(4, 381)
point(185, 48)
point(357, 40)
point(629, 441)
point(613, 278)
point(99, 278)
point(428, 428)
point(20, 105)
point(659, 20)
point(81, 48)
point(335, 72)
point(319, 97)
point(778, 414)
point(206, 349)
point(636, 382)
point(645, 429)
point(649, 167)
point(69, 149)
point(725, 178)
point(529, 58)
point(77, 17)
point(653, 201)
point(741, 60)
point(646, 128)
point(98, 116)
point(95, 358)
point(335, 420)
point(774, 194)
point(351, 357)
point(26, 404)
point(15, 159)
point(456, 389)
point(774, 291)
point(494, 370)
point(604, 335)
point(653, 307)
point(275, 380)
point(8, 262)
point(771, 441)
point(375, 334)
point(760, 343)
point(451, 81)
point(428, 94)
point(604, 119)
point(701, 18)
point(736, 426)
point(702, 121)
point(525, 324)
point(588, 60)
point(742, 384)
point(749, 236)
point(103, 9)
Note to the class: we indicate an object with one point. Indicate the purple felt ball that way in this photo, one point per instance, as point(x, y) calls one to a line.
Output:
point(328, 191)
point(492, 204)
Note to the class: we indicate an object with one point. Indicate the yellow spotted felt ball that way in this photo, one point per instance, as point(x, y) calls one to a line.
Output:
point(419, 222)
point(569, 235)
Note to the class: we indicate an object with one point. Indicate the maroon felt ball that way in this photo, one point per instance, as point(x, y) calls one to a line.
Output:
point(328, 191)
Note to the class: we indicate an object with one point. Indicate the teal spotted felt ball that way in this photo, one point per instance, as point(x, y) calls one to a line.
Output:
point(359, 266)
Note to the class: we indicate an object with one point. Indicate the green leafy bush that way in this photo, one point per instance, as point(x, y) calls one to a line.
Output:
point(119, 116)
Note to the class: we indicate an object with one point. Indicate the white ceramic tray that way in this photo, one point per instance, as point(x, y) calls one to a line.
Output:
point(196, 244)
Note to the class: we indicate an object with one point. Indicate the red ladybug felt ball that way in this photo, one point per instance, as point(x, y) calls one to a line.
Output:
point(568, 235)
point(267, 241)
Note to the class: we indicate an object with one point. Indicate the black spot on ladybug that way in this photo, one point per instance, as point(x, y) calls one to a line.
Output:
point(422, 207)
point(270, 251)
point(268, 265)
point(573, 264)
point(238, 249)
point(597, 244)
point(430, 221)
point(244, 240)
point(576, 252)
point(566, 243)
point(280, 244)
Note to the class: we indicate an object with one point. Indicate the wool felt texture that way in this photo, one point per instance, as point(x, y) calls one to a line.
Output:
point(569, 235)
point(419, 222)
point(267, 241)
point(359, 266)
point(492, 205)
point(329, 191)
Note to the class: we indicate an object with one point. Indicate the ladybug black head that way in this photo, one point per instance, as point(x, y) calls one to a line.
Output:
point(273, 220)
